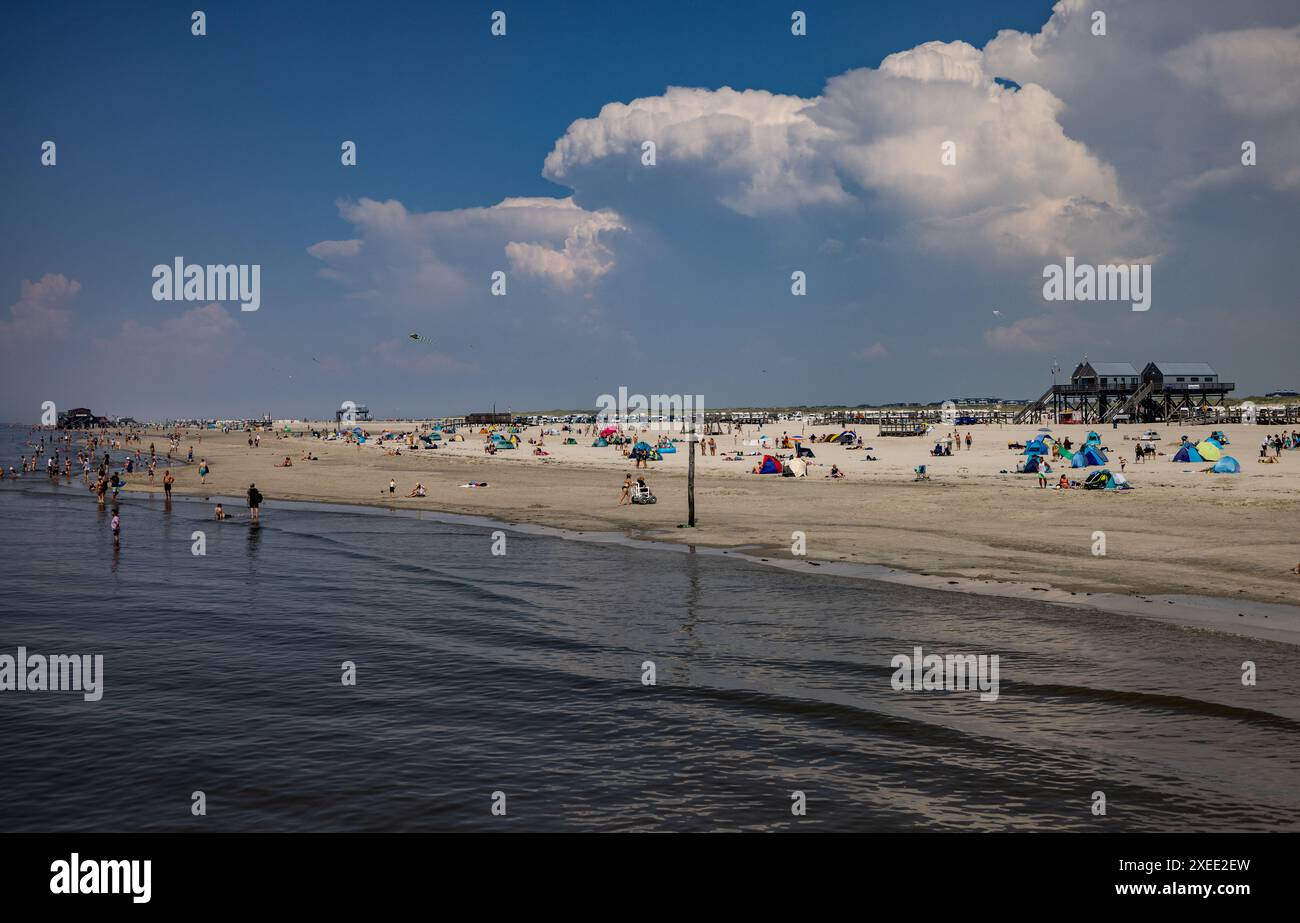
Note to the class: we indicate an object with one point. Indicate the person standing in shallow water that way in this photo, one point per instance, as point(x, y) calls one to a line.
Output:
point(254, 502)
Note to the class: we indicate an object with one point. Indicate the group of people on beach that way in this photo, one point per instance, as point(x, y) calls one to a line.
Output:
point(1277, 442)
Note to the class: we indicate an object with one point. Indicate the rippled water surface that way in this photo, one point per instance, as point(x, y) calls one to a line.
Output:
point(522, 674)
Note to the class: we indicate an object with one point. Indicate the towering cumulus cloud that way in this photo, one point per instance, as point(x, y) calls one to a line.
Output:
point(1014, 180)
point(1060, 154)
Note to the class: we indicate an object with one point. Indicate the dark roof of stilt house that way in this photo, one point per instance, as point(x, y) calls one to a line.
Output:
point(1112, 369)
point(1088, 368)
point(1184, 368)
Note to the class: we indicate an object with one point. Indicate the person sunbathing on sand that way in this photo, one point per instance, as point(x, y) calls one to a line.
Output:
point(287, 463)
point(418, 491)
point(835, 472)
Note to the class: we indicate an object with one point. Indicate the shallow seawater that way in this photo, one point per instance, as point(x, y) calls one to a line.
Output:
point(522, 674)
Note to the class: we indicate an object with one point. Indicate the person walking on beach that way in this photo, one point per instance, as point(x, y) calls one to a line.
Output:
point(392, 486)
point(626, 496)
point(168, 481)
point(254, 502)
point(203, 471)
point(968, 440)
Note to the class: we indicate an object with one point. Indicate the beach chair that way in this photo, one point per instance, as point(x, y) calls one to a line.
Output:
point(921, 474)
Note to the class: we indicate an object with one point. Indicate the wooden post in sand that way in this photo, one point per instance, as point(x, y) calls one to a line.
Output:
point(690, 477)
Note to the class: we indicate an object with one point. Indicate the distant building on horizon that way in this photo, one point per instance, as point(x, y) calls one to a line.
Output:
point(78, 418)
point(1104, 392)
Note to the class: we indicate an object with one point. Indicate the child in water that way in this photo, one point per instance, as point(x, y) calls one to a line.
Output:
point(220, 513)
point(117, 526)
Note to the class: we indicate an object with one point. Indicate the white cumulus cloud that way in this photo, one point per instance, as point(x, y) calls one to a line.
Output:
point(428, 257)
point(40, 313)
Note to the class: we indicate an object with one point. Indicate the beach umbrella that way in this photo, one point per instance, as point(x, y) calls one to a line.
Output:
point(608, 431)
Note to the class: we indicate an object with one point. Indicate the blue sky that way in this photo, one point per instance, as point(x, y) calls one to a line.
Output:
point(674, 278)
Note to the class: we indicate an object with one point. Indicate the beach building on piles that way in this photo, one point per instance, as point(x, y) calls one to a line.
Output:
point(1102, 392)
point(80, 418)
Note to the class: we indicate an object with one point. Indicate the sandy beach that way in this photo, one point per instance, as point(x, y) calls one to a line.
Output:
point(1179, 532)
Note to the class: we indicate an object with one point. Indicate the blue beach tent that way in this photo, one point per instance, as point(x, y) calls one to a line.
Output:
point(1088, 456)
point(1187, 453)
point(1227, 465)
